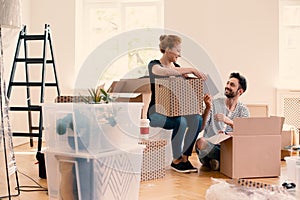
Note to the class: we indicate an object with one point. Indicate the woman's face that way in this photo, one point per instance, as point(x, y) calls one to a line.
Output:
point(174, 53)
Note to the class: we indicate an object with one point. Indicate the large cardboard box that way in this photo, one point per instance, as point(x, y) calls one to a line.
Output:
point(252, 149)
point(179, 96)
point(139, 85)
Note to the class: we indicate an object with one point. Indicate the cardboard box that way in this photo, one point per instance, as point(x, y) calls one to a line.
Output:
point(258, 110)
point(127, 97)
point(253, 149)
point(140, 85)
point(179, 96)
point(288, 153)
point(286, 138)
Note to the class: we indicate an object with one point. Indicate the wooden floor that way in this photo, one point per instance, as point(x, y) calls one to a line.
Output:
point(173, 186)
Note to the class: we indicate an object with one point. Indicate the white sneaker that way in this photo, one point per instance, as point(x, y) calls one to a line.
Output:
point(214, 164)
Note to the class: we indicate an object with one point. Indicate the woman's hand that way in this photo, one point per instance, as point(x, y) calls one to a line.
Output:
point(199, 74)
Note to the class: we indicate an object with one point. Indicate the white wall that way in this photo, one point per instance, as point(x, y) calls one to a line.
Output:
point(60, 15)
point(238, 35)
point(35, 14)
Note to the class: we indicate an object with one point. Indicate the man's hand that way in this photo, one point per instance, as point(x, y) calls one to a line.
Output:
point(207, 100)
point(208, 104)
point(222, 118)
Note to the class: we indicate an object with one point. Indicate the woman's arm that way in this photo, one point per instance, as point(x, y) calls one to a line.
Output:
point(176, 71)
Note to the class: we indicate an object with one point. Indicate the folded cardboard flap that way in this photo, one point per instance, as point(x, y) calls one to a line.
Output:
point(252, 126)
point(139, 85)
point(258, 125)
point(216, 139)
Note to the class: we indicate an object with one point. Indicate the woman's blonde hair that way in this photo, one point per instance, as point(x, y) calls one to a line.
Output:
point(168, 41)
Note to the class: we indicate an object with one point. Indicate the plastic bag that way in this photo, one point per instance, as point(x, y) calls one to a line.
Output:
point(223, 190)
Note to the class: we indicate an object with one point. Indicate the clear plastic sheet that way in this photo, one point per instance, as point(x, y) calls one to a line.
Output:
point(227, 191)
point(10, 13)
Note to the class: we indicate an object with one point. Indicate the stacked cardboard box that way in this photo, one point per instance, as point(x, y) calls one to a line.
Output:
point(289, 139)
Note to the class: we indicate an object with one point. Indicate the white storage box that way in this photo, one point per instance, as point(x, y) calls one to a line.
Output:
point(91, 128)
point(113, 175)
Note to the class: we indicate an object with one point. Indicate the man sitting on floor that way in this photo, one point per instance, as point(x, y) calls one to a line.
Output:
point(220, 120)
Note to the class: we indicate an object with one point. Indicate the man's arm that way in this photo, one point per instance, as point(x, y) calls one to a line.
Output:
point(222, 118)
point(208, 105)
point(244, 112)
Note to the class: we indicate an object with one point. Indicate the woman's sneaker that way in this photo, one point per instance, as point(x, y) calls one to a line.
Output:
point(180, 167)
point(190, 167)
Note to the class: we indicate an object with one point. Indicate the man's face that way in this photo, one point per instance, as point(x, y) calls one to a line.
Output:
point(232, 88)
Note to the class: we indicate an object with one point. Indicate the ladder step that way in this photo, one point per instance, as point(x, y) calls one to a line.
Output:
point(33, 84)
point(30, 108)
point(36, 128)
point(33, 60)
point(26, 134)
point(33, 37)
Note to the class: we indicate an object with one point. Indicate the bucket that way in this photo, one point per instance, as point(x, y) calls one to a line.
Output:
point(291, 167)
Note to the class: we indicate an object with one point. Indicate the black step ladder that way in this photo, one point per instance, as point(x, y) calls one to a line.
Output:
point(26, 62)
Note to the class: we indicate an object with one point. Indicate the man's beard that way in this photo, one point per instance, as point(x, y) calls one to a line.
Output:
point(231, 94)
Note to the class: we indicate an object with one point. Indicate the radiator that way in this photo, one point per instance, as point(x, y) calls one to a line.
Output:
point(288, 105)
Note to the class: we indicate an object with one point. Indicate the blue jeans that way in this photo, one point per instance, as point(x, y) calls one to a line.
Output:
point(211, 152)
point(182, 141)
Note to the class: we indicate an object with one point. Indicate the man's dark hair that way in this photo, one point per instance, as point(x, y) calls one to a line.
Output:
point(242, 80)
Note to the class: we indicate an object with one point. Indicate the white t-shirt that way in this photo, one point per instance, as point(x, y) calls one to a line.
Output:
point(212, 126)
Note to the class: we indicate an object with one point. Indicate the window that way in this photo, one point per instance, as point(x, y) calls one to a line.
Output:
point(100, 20)
point(289, 44)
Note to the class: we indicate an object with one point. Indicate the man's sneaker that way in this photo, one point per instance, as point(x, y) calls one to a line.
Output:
point(190, 167)
point(214, 164)
point(180, 167)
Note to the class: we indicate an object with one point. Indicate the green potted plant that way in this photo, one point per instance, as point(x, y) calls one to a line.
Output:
point(97, 95)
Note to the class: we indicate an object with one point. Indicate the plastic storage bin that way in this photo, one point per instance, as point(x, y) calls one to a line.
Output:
point(110, 175)
point(91, 128)
point(293, 165)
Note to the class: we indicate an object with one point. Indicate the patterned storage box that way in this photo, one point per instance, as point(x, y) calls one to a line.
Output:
point(179, 96)
point(153, 165)
point(113, 175)
point(68, 99)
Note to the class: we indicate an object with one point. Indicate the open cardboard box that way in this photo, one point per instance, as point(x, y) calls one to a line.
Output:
point(139, 85)
point(252, 149)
